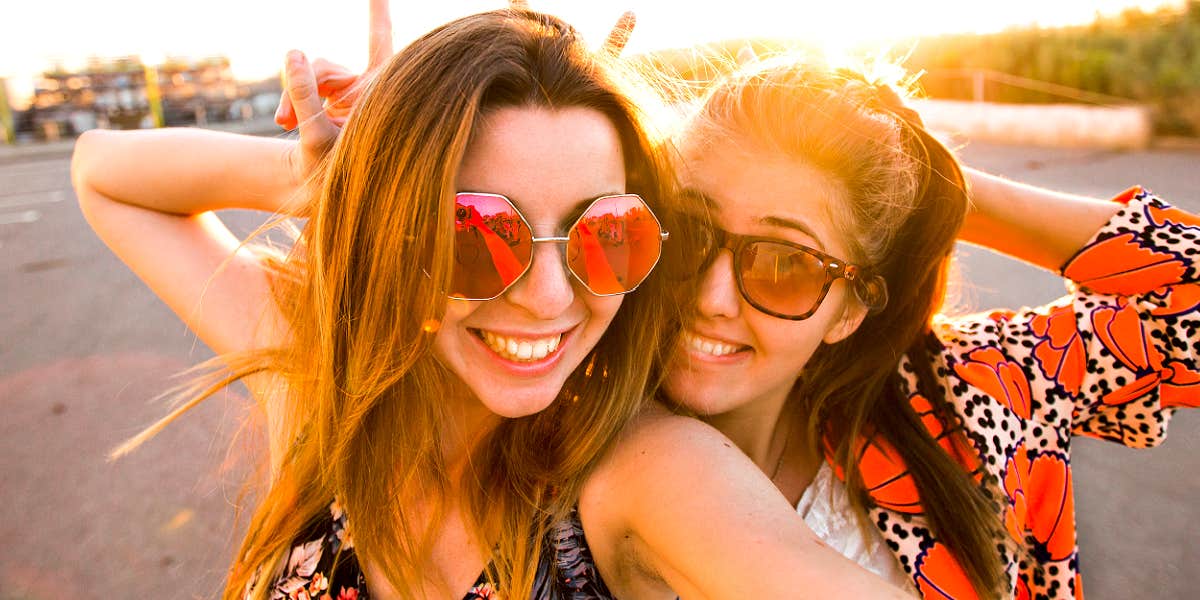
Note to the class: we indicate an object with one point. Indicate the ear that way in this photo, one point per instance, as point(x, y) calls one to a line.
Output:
point(853, 313)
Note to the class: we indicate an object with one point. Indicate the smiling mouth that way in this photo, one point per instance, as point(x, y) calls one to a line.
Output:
point(524, 350)
point(702, 345)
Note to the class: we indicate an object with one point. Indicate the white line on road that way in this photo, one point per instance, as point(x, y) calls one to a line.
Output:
point(34, 198)
point(27, 216)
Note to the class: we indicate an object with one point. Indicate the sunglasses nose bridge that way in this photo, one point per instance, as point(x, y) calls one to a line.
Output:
point(545, 289)
point(554, 240)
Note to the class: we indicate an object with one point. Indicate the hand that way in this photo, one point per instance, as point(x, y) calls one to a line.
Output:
point(338, 85)
point(619, 36)
point(318, 97)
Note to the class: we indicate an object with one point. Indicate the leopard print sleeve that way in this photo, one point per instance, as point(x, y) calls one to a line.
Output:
point(1112, 359)
point(1137, 283)
point(1115, 357)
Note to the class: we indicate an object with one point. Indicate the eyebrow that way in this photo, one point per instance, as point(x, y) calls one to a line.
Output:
point(790, 224)
point(709, 204)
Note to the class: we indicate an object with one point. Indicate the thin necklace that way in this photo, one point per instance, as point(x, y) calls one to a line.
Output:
point(782, 453)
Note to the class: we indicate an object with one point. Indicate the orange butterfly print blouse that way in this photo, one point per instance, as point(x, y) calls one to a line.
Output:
point(1111, 360)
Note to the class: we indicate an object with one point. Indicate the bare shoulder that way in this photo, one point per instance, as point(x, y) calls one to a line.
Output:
point(657, 443)
point(676, 509)
point(647, 480)
point(659, 455)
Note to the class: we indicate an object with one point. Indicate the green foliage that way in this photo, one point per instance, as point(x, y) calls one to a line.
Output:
point(1151, 58)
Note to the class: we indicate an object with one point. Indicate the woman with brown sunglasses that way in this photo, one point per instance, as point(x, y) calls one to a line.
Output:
point(933, 450)
point(454, 379)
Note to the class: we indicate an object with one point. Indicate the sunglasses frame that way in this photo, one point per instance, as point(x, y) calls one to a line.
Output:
point(835, 268)
point(664, 235)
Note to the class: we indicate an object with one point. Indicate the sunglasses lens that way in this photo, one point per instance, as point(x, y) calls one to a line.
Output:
point(782, 279)
point(492, 246)
point(614, 245)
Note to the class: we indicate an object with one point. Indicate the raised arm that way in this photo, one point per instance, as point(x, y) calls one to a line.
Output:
point(150, 195)
point(682, 501)
point(1033, 224)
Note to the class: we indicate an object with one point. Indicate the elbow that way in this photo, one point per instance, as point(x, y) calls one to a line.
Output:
point(83, 159)
point(80, 157)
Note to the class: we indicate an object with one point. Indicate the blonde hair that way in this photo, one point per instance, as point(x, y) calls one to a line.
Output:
point(906, 202)
point(359, 292)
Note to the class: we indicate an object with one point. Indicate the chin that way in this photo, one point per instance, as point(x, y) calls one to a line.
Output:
point(514, 402)
point(683, 391)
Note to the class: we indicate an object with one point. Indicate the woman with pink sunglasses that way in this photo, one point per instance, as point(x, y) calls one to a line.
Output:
point(453, 375)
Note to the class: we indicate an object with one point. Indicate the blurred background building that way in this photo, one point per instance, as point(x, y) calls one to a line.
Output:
point(125, 93)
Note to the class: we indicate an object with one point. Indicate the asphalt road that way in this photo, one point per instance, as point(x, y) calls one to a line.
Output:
point(84, 348)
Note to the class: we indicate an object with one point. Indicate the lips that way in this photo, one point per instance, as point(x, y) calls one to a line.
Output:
point(520, 349)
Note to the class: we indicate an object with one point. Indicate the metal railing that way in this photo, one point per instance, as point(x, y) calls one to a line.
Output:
point(979, 79)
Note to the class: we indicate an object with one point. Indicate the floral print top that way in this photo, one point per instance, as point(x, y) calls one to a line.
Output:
point(1112, 360)
point(324, 566)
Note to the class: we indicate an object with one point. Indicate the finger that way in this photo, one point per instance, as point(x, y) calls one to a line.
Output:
point(619, 36)
point(380, 41)
point(306, 101)
point(288, 120)
point(341, 100)
point(335, 86)
point(331, 77)
point(285, 117)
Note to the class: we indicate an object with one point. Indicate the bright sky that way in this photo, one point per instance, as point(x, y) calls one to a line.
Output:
point(256, 34)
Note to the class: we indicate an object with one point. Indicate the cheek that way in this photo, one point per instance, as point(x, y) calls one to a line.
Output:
point(458, 311)
point(601, 310)
point(449, 334)
point(790, 344)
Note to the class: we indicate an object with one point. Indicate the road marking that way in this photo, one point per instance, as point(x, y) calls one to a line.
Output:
point(180, 519)
point(26, 216)
point(39, 197)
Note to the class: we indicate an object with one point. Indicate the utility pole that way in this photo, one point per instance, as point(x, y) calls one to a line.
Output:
point(6, 117)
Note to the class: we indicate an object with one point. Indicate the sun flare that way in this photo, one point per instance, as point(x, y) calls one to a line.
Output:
point(256, 35)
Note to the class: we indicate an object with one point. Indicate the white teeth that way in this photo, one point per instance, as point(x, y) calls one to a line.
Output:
point(521, 350)
point(708, 346)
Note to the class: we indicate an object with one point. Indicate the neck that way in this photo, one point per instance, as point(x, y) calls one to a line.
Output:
point(469, 421)
point(757, 429)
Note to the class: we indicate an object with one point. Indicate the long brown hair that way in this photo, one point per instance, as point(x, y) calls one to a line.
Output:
point(358, 411)
point(907, 202)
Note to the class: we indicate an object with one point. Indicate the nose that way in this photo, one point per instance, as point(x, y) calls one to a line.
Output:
point(718, 294)
point(545, 291)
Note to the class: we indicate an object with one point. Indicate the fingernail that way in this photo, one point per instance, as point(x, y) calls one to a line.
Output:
point(295, 57)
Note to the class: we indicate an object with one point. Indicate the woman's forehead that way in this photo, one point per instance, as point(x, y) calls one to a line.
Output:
point(545, 160)
point(757, 191)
